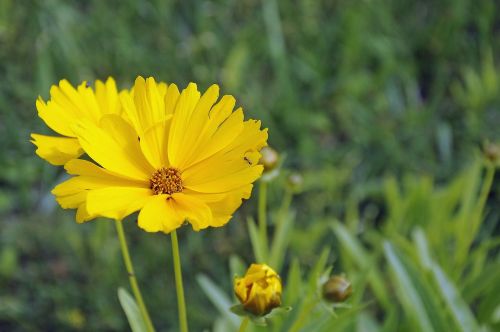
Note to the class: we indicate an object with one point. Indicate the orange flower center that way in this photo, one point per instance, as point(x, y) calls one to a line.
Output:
point(166, 181)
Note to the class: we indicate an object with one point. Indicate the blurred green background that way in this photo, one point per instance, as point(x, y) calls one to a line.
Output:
point(354, 92)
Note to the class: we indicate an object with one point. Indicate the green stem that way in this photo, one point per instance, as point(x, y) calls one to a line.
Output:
point(282, 228)
point(262, 217)
point(181, 303)
point(244, 324)
point(131, 277)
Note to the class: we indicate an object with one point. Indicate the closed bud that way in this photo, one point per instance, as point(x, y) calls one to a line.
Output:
point(259, 291)
point(337, 289)
point(492, 152)
point(269, 159)
point(295, 182)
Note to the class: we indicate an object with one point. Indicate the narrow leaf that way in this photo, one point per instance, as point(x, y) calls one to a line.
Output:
point(218, 298)
point(406, 291)
point(132, 311)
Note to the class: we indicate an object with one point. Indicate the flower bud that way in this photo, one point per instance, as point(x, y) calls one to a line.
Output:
point(492, 152)
point(337, 289)
point(269, 159)
point(259, 291)
point(295, 182)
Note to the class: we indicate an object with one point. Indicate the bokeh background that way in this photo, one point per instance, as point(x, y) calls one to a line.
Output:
point(354, 92)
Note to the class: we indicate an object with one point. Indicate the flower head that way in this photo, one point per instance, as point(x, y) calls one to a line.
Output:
point(65, 108)
point(259, 291)
point(175, 156)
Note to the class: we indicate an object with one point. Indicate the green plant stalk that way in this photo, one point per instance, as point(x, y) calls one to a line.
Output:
point(131, 276)
point(262, 210)
point(279, 238)
point(244, 324)
point(181, 303)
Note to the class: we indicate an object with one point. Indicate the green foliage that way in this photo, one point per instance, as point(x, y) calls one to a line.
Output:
point(417, 272)
point(132, 311)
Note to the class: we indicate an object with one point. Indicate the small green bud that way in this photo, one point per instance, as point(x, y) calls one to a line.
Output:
point(295, 181)
point(337, 289)
point(492, 152)
point(269, 159)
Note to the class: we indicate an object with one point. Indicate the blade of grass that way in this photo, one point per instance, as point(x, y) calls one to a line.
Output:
point(406, 291)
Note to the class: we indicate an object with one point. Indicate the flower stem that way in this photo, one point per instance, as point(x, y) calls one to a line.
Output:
point(279, 242)
point(181, 303)
point(131, 277)
point(262, 217)
point(244, 324)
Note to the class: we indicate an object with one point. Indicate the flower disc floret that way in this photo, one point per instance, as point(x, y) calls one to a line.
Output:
point(166, 181)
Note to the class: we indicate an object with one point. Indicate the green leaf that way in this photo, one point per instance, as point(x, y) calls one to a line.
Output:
point(458, 307)
point(406, 290)
point(461, 312)
point(278, 312)
point(239, 310)
point(257, 245)
point(218, 298)
point(318, 268)
point(355, 252)
point(293, 286)
point(237, 266)
point(259, 321)
point(132, 311)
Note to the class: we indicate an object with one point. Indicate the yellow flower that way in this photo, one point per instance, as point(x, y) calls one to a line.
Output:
point(259, 290)
point(66, 107)
point(176, 157)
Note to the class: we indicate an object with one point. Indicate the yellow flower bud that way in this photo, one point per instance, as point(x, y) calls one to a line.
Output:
point(269, 159)
point(259, 291)
point(337, 289)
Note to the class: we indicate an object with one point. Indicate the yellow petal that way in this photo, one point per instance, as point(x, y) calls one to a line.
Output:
point(232, 167)
point(146, 106)
point(56, 150)
point(180, 127)
point(187, 147)
point(154, 143)
point(206, 145)
point(89, 105)
point(197, 213)
point(129, 110)
point(223, 205)
point(228, 182)
point(116, 202)
point(107, 96)
point(159, 214)
point(82, 214)
point(55, 117)
point(75, 101)
point(72, 201)
point(114, 146)
point(87, 168)
point(81, 183)
point(171, 97)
